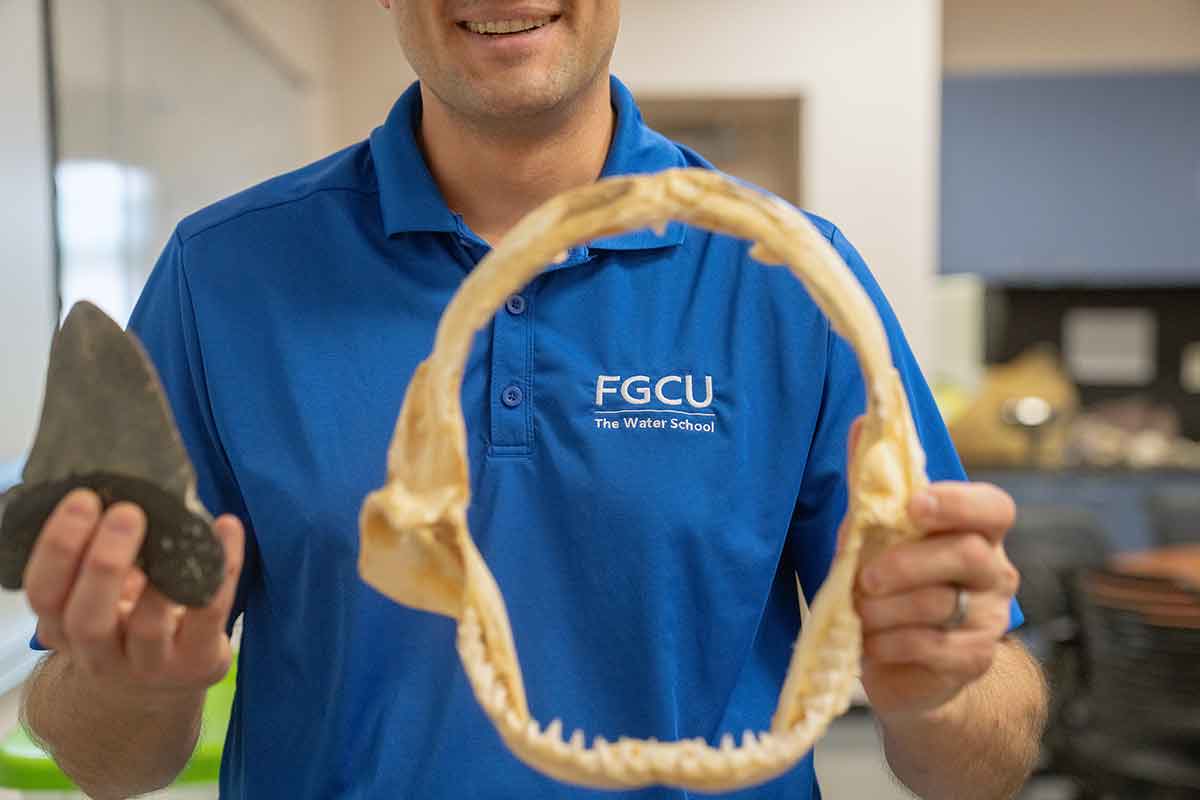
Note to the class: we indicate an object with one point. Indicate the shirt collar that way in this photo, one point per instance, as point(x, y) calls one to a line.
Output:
point(410, 199)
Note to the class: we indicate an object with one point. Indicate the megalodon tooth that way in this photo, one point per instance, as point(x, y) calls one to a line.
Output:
point(106, 425)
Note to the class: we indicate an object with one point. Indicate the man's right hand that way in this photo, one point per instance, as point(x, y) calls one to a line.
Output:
point(96, 606)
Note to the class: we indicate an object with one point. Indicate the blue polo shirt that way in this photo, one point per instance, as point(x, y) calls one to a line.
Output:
point(657, 435)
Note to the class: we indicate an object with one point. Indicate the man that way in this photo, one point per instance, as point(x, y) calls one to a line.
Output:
point(648, 572)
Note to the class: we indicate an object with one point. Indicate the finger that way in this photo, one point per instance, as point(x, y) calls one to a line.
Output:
point(91, 614)
point(59, 548)
point(150, 632)
point(965, 559)
point(953, 506)
point(932, 607)
point(929, 606)
point(131, 591)
point(841, 535)
point(49, 633)
point(964, 654)
point(200, 627)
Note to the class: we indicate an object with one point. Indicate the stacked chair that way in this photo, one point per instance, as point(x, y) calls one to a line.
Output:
point(1140, 694)
point(1175, 516)
point(1050, 546)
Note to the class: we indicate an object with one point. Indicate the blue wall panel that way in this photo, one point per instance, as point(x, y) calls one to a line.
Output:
point(1089, 180)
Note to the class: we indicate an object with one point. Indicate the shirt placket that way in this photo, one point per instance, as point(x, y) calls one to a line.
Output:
point(512, 379)
point(511, 385)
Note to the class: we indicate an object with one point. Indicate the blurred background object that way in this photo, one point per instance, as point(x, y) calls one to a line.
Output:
point(1019, 415)
point(1138, 731)
point(757, 139)
point(1070, 196)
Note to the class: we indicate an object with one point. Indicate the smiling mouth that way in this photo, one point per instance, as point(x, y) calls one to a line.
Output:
point(507, 27)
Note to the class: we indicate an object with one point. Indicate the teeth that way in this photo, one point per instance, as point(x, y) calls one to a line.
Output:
point(663, 760)
point(636, 760)
point(507, 25)
point(775, 746)
point(486, 675)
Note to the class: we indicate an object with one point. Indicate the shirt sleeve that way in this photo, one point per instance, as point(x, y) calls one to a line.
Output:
point(164, 321)
point(823, 497)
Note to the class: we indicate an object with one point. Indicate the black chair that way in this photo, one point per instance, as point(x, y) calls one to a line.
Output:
point(1141, 642)
point(1049, 545)
point(1175, 515)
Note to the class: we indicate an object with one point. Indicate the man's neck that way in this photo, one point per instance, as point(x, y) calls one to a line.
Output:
point(493, 177)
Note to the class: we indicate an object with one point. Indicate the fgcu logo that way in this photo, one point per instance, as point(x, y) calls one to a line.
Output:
point(636, 390)
point(642, 402)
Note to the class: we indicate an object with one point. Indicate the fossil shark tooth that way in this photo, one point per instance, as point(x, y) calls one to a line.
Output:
point(106, 426)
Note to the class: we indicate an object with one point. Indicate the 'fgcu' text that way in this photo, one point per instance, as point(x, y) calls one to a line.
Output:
point(642, 402)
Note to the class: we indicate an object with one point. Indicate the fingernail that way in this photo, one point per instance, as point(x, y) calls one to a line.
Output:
point(81, 503)
point(123, 520)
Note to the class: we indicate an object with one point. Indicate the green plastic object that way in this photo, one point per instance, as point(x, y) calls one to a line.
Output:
point(25, 766)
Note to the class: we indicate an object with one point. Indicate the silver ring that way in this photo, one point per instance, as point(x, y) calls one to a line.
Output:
point(962, 602)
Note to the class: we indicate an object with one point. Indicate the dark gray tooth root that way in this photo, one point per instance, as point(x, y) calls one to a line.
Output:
point(181, 554)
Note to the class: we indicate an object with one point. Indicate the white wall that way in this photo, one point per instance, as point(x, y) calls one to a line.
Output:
point(303, 33)
point(193, 101)
point(350, 54)
point(27, 303)
point(869, 73)
point(1071, 35)
point(370, 69)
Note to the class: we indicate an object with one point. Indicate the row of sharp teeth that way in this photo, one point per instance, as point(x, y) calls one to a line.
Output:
point(507, 25)
point(633, 762)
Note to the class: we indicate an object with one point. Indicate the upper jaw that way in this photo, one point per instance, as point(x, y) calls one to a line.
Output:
point(502, 12)
point(508, 26)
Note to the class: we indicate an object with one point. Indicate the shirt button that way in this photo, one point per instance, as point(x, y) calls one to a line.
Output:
point(512, 396)
point(515, 305)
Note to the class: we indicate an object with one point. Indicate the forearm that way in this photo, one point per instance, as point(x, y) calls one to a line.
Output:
point(980, 745)
point(114, 742)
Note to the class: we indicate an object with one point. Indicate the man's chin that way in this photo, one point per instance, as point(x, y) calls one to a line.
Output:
point(519, 102)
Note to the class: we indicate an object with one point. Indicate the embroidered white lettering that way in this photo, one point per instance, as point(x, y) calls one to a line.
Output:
point(640, 390)
point(688, 425)
point(691, 398)
point(602, 390)
point(641, 394)
point(662, 396)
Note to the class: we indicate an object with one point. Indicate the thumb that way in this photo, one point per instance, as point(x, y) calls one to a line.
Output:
point(201, 626)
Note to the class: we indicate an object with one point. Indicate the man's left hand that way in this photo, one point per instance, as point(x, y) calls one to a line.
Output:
point(919, 651)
